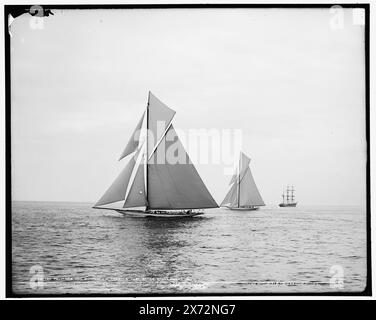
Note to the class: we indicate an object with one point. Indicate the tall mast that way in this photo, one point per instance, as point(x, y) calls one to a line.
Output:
point(287, 194)
point(240, 156)
point(283, 197)
point(292, 193)
point(147, 154)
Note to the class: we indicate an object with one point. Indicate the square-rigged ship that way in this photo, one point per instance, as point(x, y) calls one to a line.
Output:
point(290, 198)
point(154, 179)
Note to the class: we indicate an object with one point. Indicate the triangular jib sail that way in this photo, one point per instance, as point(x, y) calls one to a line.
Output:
point(116, 192)
point(160, 175)
point(133, 142)
point(137, 195)
point(243, 191)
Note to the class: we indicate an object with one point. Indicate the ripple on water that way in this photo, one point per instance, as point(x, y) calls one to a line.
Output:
point(222, 251)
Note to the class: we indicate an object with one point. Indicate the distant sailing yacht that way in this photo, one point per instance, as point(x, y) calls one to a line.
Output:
point(243, 194)
point(155, 183)
point(289, 198)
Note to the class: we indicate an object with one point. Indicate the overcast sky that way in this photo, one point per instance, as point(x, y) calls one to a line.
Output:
point(290, 82)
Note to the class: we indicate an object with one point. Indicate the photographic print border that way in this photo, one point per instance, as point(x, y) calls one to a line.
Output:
point(16, 10)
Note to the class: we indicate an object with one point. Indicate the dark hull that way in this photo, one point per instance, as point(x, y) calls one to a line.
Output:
point(156, 213)
point(162, 214)
point(288, 204)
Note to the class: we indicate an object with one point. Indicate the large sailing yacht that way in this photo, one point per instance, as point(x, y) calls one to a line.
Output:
point(159, 179)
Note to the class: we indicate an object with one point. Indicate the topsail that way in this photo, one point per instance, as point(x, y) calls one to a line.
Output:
point(116, 192)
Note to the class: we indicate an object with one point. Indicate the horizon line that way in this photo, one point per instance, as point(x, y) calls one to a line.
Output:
point(276, 204)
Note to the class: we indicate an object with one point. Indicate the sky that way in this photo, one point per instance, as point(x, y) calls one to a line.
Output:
point(286, 78)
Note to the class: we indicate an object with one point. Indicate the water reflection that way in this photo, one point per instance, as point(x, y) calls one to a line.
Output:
point(155, 247)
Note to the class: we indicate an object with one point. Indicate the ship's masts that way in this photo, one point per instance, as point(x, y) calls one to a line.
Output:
point(292, 193)
point(287, 194)
point(147, 154)
point(239, 181)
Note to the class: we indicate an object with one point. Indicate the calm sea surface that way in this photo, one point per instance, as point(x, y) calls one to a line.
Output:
point(71, 248)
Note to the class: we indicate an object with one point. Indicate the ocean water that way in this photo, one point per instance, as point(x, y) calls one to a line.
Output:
point(60, 248)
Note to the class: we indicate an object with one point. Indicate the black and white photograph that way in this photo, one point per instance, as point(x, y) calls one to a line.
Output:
point(187, 150)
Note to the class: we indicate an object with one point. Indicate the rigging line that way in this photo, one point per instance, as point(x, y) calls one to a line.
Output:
point(160, 140)
point(146, 172)
point(240, 156)
point(133, 175)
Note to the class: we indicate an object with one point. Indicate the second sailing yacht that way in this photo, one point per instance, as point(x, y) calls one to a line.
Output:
point(243, 194)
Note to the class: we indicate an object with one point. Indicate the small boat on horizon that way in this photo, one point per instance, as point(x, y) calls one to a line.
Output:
point(155, 182)
point(243, 194)
point(290, 198)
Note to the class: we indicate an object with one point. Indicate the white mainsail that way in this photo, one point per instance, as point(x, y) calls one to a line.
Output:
point(163, 181)
point(248, 193)
point(243, 191)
